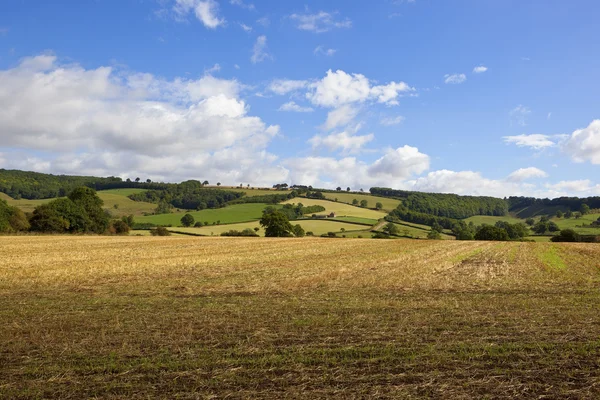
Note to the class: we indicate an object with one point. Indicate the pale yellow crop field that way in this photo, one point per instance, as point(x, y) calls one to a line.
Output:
point(345, 197)
point(341, 209)
point(214, 317)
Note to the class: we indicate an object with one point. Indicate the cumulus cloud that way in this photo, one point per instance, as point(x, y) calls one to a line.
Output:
point(285, 86)
point(455, 79)
point(392, 169)
point(584, 144)
point(339, 88)
point(246, 28)
point(535, 141)
point(292, 106)
point(207, 11)
point(344, 141)
point(523, 174)
point(320, 22)
point(341, 116)
point(260, 51)
point(110, 122)
point(480, 69)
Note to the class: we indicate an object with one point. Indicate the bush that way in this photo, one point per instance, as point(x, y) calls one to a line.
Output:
point(198, 224)
point(187, 220)
point(245, 232)
point(160, 231)
point(488, 232)
point(567, 235)
point(118, 227)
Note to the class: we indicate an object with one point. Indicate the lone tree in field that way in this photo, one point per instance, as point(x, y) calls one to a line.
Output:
point(569, 214)
point(354, 202)
point(218, 183)
point(378, 205)
point(348, 189)
point(276, 224)
point(584, 209)
point(559, 214)
point(187, 220)
point(364, 203)
point(205, 183)
point(390, 228)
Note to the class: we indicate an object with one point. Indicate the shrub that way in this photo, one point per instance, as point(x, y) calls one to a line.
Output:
point(160, 231)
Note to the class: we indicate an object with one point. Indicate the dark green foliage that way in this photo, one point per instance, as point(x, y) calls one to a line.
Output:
point(567, 235)
point(129, 220)
point(92, 206)
point(488, 232)
point(584, 209)
point(464, 231)
point(380, 235)
point(329, 235)
point(160, 231)
point(298, 231)
point(434, 235)
point(189, 195)
point(266, 199)
point(163, 208)
point(530, 221)
point(81, 212)
point(354, 202)
point(315, 195)
point(198, 224)
point(34, 185)
point(364, 203)
point(245, 232)
point(390, 228)
point(12, 219)
point(295, 211)
point(187, 220)
point(514, 231)
point(559, 214)
point(276, 223)
point(544, 225)
point(403, 214)
point(310, 233)
point(569, 214)
point(378, 206)
point(446, 205)
point(530, 204)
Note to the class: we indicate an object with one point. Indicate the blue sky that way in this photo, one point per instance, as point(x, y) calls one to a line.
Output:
point(472, 97)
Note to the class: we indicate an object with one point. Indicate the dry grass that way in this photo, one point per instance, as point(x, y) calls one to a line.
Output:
point(341, 209)
point(179, 317)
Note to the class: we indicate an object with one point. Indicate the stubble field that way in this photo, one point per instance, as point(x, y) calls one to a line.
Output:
point(182, 317)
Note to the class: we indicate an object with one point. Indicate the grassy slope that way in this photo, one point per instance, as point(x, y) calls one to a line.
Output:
point(575, 224)
point(297, 318)
point(345, 197)
point(341, 209)
point(490, 220)
point(123, 192)
point(229, 214)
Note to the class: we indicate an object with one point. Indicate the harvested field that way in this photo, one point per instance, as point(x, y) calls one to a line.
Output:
point(185, 317)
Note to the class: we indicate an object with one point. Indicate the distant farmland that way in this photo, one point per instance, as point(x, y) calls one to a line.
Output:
point(183, 317)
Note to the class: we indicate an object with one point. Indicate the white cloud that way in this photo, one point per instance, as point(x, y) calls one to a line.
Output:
point(285, 86)
point(205, 10)
point(523, 174)
point(68, 119)
point(344, 141)
point(455, 79)
point(535, 141)
point(576, 186)
point(214, 68)
point(389, 121)
point(240, 3)
point(584, 144)
point(292, 106)
point(319, 22)
point(246, 28)
point(480, 69)
point(339, 88)
point(323, 51)
point(341, 116)
point(391, 170)
point(519, 115)
point(260, 52)
point(549, 115)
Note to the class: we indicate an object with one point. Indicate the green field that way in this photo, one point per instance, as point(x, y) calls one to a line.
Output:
point(575, 224)
point(226, 215)
point(345, 197)
point(252, 192)
point(341, 209)
point(318, 227)
point(88, 317)
point(123, 192)
point(417, 233)
point(358, 220)
point(491, 220)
